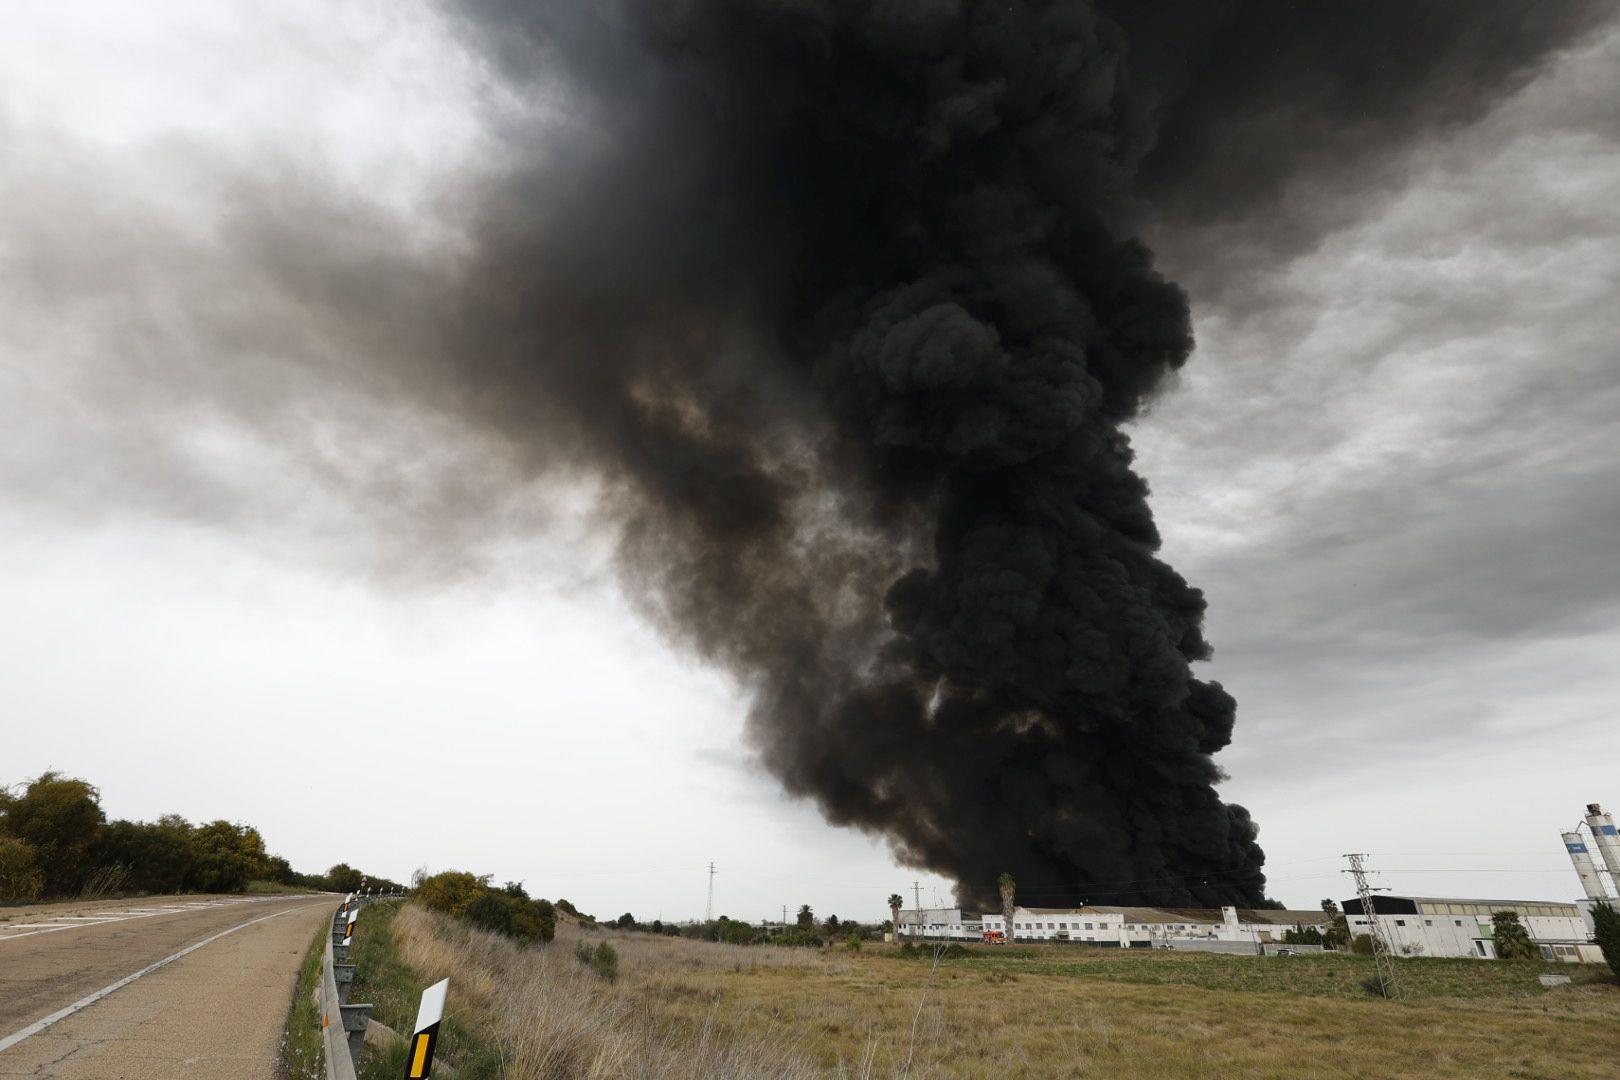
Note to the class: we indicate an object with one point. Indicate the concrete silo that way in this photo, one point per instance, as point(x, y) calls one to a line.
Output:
point(1604, 835)
point(1584, 867)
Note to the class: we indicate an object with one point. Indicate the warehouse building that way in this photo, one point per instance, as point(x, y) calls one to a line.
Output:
point(1449, 926)
point(1247, 930)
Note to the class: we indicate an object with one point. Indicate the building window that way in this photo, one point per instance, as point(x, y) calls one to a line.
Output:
point(1400, 922)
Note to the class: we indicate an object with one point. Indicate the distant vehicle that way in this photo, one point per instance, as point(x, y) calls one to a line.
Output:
point(995, 937)
point(1167, 945)
point(1291, 952)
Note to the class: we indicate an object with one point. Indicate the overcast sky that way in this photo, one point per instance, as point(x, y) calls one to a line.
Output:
point(1393, 465)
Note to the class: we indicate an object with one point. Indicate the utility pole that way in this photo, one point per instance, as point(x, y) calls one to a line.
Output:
point(916, 892)
point(784, 916)
point(708, 911)
point(1383, 957)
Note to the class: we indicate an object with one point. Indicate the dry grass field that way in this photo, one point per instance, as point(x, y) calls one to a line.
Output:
point(689, 1009)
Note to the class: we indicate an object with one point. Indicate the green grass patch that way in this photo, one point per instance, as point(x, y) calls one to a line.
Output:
point(394, 990)
point(1505, 981)
point(301, 1050)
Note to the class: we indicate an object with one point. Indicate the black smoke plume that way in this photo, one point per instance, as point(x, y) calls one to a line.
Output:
point(842, 301)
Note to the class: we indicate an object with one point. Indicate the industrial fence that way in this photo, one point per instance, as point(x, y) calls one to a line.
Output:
point(344, 1022)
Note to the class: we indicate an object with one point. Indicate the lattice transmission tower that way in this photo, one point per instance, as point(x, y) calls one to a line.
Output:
point(1383, 956)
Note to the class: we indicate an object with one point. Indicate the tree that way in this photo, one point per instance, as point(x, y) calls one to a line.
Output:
point(896, 901)
point(59, 817)
point(1009, 893)
point(1337, 934)
point(626, 921)
point(158, 855)
point(20, 878)
point(1512, 940)
point(1606, 924)
point(346, 879)
point(1310, 935)
point(228, 856)
point(1330, 907)
point(806, 917)
point(831, 925)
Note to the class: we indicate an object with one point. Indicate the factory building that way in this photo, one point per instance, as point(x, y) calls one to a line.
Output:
point(1118, 927)
point(1448, 926)
point(939, 924)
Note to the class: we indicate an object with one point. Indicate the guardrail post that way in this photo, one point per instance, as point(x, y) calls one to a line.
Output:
point(344, 975)
point(355, 1019)
point(419, 1054)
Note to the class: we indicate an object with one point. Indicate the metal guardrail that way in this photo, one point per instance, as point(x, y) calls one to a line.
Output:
point(343, 1023)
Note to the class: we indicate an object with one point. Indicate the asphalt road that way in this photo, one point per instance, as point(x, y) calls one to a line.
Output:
point(215, 1011)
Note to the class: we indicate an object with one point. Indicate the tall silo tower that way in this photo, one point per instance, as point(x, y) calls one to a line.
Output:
point(1584, 867)
point(1606, 838)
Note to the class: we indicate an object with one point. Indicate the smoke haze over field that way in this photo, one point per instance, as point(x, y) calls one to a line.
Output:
point(833, 320)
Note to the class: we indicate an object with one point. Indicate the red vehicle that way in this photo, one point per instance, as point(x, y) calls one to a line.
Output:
point(995, 937)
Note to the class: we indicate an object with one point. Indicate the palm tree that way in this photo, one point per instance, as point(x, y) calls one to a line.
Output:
point(1009, 889)
point(896, 901)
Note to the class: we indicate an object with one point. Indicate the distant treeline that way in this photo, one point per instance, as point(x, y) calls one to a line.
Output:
point(55, 841)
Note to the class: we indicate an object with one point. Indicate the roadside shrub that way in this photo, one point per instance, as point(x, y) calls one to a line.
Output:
point(507, 910)
point(853, 943)
point(491, 912)
point(20, 878)
point(603, 959)
point(452, 892)
point(1362, 945)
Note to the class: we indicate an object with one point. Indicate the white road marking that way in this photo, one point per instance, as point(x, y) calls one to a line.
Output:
point(85, 1002)
point(54, 923)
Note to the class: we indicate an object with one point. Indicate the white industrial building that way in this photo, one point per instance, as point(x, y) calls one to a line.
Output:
point(1246, 930)
point(1411, 925)
point(1447, 926)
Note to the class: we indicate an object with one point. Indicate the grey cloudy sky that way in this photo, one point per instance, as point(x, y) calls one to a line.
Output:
point(245, 577)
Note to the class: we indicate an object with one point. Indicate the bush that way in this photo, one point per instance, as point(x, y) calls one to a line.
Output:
point(491, 911)
point(853, 943)
point(452, 892)
point(1606, 923)
point(603, 959)
point(506, 911)
point(1362, 945)
point(157, 854)
point(227, 857)
point(59, 818)
point(20, 878)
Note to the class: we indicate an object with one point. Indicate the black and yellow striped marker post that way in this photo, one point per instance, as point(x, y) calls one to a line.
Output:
point(348, 928)
point(419, 1057)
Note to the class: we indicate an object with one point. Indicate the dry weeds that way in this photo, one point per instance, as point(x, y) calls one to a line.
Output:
point(689, 1010)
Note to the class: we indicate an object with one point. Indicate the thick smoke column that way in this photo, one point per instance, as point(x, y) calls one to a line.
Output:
point(838, 298)
point(842, 300)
